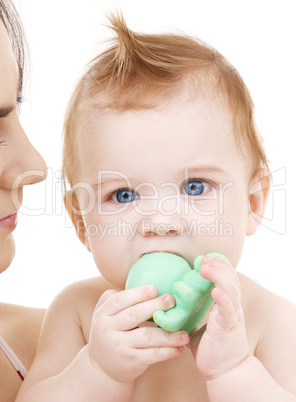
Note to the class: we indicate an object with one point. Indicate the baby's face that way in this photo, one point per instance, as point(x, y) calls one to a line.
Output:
point(169, 179)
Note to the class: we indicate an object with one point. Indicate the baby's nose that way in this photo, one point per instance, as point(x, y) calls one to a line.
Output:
point(152, 228)
point(161, 214)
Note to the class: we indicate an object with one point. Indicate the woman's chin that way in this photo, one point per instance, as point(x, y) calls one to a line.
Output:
point(7, 252)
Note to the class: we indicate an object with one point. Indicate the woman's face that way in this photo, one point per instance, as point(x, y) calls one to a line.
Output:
point(20, 163)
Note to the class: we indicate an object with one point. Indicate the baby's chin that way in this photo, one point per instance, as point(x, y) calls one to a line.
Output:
point(7, 252)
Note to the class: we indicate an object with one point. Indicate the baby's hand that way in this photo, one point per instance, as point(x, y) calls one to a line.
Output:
point(118, 346)
point(224, 344)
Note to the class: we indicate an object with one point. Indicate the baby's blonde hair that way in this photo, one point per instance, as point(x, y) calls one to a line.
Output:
point(140, 71)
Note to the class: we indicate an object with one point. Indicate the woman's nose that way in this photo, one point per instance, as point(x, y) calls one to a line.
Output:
point(21, 164)
point(31, 170)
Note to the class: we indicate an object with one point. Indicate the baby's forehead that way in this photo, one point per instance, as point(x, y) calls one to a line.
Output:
point(99, 107)
point(173, 127)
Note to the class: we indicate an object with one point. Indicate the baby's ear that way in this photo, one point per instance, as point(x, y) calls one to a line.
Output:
point(72, 207)
point(258, 195)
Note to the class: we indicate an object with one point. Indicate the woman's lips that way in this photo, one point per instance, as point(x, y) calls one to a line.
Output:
point(9, 222)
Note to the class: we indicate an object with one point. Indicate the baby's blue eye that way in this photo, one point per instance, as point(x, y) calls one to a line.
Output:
point(195, 187)
point(125, 195)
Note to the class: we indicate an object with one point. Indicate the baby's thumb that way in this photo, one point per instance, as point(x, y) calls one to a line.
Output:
point(105, 296)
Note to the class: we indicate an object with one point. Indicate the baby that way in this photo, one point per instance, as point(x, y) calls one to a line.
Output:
point(162, 155)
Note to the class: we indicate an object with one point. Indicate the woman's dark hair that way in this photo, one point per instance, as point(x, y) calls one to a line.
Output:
point(11, 20)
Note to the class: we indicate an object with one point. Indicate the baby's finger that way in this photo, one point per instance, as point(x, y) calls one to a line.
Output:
point(147, 337)
point(135, 315)
point(219, 272)
point(154, 355)
point(127, 298)
point(225, 315)
point(219, 262)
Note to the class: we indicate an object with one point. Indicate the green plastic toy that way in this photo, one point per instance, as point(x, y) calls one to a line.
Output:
point(172, 274)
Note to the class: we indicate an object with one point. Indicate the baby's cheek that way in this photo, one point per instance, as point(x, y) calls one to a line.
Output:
point(223, 231)
point(202, 210)
point(111, 262)
point(112, 271)
point(233, 243)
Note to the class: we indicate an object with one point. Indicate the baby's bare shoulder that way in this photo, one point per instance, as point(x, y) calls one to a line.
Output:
point(94, 287)
point(86, 290)
point(66, 326)
point(270, 320)
point(80, 298)
point(264, 305)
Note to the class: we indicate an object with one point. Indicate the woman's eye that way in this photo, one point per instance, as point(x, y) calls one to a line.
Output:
point(124, 195)
point(195, 187)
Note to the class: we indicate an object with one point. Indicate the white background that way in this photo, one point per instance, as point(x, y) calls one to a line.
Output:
point(258, 37)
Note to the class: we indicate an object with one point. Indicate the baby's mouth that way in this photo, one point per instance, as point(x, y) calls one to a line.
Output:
point(170, 252)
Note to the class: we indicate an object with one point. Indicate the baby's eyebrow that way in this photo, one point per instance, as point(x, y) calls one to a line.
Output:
point(109, 180)
point(205, 169)
point(128, 181)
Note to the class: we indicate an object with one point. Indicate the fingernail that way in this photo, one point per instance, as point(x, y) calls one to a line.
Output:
point(184, 337)
point(152, 291)
point(169, 300)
